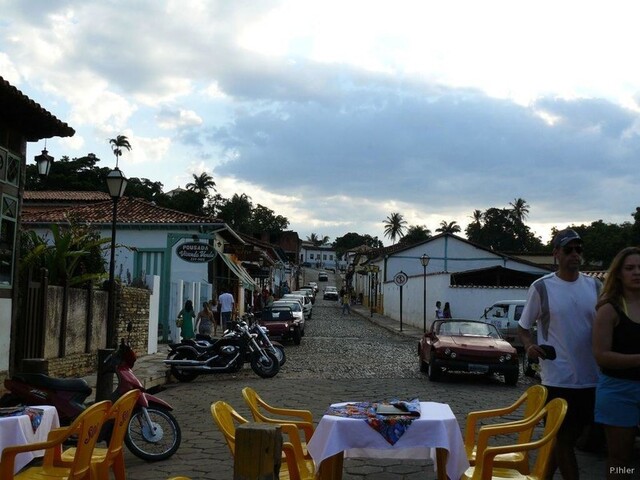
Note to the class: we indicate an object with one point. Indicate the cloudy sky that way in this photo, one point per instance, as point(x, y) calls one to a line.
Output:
point(337, 113)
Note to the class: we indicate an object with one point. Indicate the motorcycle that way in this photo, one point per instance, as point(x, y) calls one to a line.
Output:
point(226, 355)
point(202, 341)
point(153, 433)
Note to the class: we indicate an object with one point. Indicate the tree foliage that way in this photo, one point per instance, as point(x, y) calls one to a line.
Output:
point(448, 227)
point(502, 231)
point(394, 226)
point(415, 234)
point(318, 240)
point(352, 240)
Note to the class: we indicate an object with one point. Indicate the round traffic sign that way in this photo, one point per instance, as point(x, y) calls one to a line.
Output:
point(400, 278)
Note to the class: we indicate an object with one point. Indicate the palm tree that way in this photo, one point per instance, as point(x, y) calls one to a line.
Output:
point(317, 240)
point(477, 217)
point(451, 227)
point(520, 209)
point(202, 183)
point(394, 226)
point(117, 144)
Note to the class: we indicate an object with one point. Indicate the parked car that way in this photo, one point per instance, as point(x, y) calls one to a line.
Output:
point(314, 285)
point(307, 306)
point(281, 323)
point(330, 293)
point(308, 291)
point(297, 310)
point(504, 315)
point(467, 346)
point(323, 277)
point(308, 294)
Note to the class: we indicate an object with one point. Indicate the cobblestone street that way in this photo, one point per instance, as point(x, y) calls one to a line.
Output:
point(341, 358)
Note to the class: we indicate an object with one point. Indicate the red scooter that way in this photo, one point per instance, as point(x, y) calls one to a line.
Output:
point(153, 433)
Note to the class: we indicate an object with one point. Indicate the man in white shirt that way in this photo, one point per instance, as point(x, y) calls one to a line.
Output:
point(563, 305)
point(227, 305)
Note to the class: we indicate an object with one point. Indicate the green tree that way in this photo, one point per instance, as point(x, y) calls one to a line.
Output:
point(318, 240)
point(202, 184)
point(73, 256)
point(236, 212)
point(520, 209)
point(352, 240)
point(502, 231)
point(117, 144)
point(264, 219)
point(394, 226)
point(415, 234)
point(448, 227)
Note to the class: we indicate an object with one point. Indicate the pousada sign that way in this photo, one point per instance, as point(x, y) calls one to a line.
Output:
point(196, 252)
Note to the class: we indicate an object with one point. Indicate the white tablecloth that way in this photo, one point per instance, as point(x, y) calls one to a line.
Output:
point(18, 431)
point(437, 427)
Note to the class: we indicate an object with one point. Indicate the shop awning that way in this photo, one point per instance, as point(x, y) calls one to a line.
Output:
point(240, 272)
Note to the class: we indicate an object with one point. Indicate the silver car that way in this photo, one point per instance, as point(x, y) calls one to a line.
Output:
point(307, 306)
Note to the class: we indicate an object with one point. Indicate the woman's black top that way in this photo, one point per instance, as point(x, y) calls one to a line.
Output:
point(626, 339)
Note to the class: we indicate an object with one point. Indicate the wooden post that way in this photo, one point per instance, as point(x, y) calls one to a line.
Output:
point(258, 452)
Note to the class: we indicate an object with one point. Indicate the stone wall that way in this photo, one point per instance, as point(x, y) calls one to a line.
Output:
point(131, 304)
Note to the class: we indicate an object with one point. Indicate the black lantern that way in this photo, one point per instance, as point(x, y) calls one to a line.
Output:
point(43, 161)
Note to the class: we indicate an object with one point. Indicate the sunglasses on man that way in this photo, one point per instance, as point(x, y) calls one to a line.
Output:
point(568, 249)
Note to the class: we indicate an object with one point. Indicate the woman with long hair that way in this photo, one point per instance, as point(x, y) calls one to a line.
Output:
point(616, 347)
point(187, 315)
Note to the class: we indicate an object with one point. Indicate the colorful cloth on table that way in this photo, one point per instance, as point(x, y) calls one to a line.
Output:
point(391, 427)
point(34, 414)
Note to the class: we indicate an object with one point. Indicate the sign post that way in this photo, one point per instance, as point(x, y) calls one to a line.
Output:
point(400, 279)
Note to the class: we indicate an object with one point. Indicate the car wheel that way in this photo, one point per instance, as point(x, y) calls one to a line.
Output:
point(511, 378)
point(434, 372)
point(297, 337)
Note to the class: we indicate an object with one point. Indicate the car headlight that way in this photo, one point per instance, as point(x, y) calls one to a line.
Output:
point(450, 353)
point(505, 358)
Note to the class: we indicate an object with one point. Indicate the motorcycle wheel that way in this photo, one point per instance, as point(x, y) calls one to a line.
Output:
point(183, 375)
point(280, 355)
point(265, 368)
point(154, 442)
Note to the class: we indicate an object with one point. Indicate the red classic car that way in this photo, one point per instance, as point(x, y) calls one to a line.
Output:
point(467, 346)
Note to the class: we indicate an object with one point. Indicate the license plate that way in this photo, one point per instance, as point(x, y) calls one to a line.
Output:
point(475, 367)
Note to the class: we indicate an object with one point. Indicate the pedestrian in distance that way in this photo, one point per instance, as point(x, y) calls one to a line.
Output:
point(563, 304)
point(616, 347)
point(205, 322)
point(227, 308)
point(439, 313)
point(346, 302)
point(446, 311)
point(186, 319)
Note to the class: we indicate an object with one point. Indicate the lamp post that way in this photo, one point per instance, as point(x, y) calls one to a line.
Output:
point(116, 183)
point(424, 260)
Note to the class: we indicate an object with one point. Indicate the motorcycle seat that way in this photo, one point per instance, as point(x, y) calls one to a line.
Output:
point(67, 384)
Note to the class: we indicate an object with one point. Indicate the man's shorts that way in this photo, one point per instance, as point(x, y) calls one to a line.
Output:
point(618, 402)
point(226, 318)
point(581, 403)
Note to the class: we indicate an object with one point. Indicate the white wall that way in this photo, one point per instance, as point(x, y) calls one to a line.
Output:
point(5, 333)
point(465, 302)
point(153, 282)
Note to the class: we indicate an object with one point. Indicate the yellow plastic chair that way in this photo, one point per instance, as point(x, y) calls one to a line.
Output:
point(533, 399)
point(485, 468)
point(295, 467)
point(300, 418)
point(111, 457)
point(86, 427)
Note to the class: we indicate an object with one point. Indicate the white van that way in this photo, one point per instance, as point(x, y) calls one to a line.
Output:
point(505, 315)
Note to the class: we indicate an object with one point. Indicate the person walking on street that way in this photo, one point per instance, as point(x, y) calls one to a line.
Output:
point(227, 307)
point(446, 311)
point(346, 302)
point(185, 320)
point(616, 346)
point(563, 306)
point(205, 321)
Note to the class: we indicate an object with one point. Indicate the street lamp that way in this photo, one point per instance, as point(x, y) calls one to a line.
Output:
point(116, 183)
point(424, 260)
point(43, 161)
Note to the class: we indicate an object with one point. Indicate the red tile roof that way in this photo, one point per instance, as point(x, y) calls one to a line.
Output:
point(71, 196)
point(130, 211)
point(29, 117)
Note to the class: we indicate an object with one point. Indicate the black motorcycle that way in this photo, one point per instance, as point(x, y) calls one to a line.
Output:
point(226, 355)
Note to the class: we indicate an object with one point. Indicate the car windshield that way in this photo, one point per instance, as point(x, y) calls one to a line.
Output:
point(476, 329)
point(295, 306)
point(331, 289)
